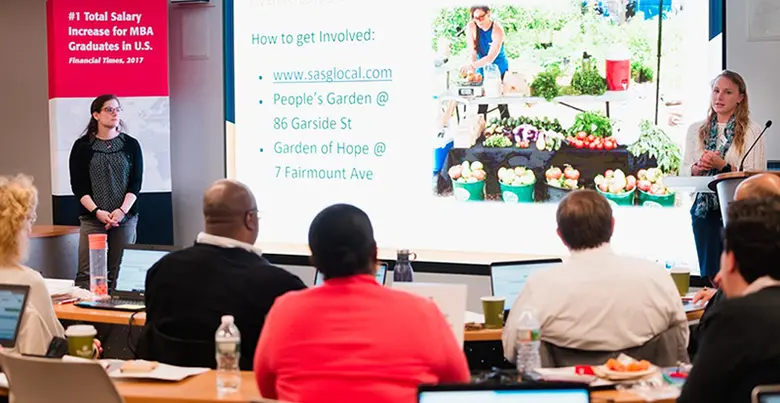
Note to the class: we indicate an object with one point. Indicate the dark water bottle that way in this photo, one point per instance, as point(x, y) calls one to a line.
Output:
point(403, 272)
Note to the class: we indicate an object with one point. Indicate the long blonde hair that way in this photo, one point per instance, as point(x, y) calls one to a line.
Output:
point(18, 201)
point(741, 114)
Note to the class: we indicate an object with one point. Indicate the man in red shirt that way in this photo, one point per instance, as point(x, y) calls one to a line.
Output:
point(352, 340)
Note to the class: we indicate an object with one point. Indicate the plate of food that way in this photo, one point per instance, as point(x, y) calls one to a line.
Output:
point(624, 368)
point(470, 79)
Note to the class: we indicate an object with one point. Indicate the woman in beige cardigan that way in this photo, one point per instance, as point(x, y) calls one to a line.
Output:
point(18, 202)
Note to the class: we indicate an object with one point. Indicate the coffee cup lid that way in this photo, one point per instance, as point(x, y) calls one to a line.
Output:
point(493, 298)
point(680, 269)
point(80, 331)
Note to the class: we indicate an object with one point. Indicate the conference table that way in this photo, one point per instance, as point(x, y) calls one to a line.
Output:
point(202, 388)
point(75, 313)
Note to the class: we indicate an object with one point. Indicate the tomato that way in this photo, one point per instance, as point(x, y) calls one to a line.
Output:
point(578, 143)
point(599, 146)
point(591, 138)
point(582, 135)
point(607, 144)
point(592, 146)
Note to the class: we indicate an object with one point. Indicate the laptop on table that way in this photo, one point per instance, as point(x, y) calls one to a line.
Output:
point(507, 279)
point(13, 302)
point(128, 294)
point(381, 275)
point(544, 392)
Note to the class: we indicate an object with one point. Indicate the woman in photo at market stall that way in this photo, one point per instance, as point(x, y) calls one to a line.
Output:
point(714, 146)
point(485, 39)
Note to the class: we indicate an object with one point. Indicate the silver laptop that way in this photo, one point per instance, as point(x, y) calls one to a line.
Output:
point(507, 279)
point(381, 275)
point(486, 393)
point(128, 293)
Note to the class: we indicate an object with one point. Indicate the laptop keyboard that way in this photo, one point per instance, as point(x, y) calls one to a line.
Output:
point(116, 301)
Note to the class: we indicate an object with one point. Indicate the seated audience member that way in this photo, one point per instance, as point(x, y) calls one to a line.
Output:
point(597, 300)
point(188, 291)
point(754, 187)
point(353, 340)
point(740, 349)
point(18, 202)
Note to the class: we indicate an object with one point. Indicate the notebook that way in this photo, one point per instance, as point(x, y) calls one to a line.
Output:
point(128, 294)
point(13, 302)
point(766, 394)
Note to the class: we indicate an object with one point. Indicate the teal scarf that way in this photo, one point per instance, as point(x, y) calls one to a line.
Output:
point(706, 202)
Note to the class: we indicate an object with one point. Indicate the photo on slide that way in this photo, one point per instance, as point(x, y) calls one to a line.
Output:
point(538, 98)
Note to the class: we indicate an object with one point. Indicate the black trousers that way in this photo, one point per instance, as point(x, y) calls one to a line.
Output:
point(709, 244)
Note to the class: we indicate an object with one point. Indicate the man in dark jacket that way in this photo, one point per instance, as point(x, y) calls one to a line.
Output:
point(740, 348)
point(223, 273)
point(756, 186)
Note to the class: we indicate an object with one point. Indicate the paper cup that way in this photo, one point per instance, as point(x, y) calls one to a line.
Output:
point(81, 340)
point(493, 308)
point(682, 279)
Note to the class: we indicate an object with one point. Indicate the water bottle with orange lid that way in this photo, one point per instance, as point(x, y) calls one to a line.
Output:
point(98, 265)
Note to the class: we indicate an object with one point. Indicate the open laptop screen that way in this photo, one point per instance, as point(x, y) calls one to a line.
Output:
point(519, 395)
point(507, 279)
point(135, 264)
point(13, 299)
point(381, 275)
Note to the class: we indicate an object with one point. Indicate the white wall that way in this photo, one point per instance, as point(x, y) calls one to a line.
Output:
point(757, 62)
point(197, 112)
point(24, 96)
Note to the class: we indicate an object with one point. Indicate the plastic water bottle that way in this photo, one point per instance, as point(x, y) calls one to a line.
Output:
point(98, 265)
point(528, 343)
point(402, 271)
point(228, 348)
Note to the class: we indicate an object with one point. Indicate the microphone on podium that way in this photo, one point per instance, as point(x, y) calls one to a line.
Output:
point(766, 126)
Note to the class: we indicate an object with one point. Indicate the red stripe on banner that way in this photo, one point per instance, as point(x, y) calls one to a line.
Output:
point(99, 46)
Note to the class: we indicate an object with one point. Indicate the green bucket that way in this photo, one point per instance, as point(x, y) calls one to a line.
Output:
point(620, 199)
point(517, 194)
point(469, 191)
point(648, 200)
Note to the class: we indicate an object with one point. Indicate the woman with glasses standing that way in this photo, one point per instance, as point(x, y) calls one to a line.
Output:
point(106, 170)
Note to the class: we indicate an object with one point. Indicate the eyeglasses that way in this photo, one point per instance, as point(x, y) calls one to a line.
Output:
point(32, 218)
point(479, 17)
point(254, 211)
point(111, 109)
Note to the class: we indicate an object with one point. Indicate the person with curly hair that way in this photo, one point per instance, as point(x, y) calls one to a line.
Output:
point(18, 202)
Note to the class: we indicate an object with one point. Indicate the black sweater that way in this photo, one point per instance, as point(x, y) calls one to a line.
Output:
point(739, 350)
point(80, 157)
point(188, 291)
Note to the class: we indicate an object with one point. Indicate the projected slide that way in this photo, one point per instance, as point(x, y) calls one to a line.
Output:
point(459, 127)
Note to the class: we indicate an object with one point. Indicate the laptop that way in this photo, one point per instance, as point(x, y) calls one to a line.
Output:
point(128, 294)
point(766, 394)
point(546, 392)
point(381, 275)
point(13, 302)
point(508, 278)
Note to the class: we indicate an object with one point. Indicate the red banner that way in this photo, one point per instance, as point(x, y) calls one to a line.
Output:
point(99, 46)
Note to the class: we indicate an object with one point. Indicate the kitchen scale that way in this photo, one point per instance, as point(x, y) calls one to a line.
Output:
point(466, 89)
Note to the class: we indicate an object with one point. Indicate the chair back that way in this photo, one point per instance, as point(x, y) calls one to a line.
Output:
point(45, 380)
point(155, 345)
point(667, 349)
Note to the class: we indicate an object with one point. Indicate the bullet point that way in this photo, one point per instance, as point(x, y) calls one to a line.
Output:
point(261, 150)
point(261, 102)
point(259, 77)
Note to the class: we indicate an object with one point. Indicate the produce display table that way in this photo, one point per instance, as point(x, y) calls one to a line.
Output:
point(589, 162)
